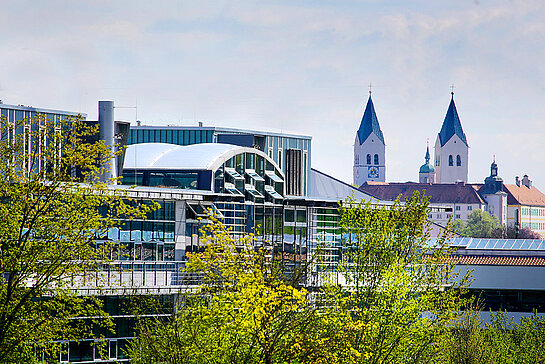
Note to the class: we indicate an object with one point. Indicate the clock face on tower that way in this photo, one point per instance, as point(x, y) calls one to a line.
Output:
point(372, 172)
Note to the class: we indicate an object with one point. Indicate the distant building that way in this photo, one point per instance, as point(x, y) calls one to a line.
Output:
point(369, 148)
point(492, 192)
point(426, 174)
point(457, 200)
point(451, 149)
point(526, 205)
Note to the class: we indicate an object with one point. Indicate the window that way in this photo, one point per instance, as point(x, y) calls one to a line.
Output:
point(458, 160)
point(457, 216)
point(457, 208)
point(368, 158)
point(376, 159)
point(293, 171)
point(470, 208)
point(437, 162)
point(279, 161)
point(356, 159)
point(271, 153)
point(450, 161)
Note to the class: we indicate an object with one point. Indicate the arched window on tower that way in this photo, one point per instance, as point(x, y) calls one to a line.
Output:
point(450, 161)
point(356, 159)
point(368, 158)
point(458, 160)
point(376, 159)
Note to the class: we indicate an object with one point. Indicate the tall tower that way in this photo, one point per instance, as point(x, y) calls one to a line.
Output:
point(369, 148)
point(426, 174)
point(451, 149)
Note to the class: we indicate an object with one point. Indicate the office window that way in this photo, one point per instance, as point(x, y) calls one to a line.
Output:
point(458, 160)
point(450, 161)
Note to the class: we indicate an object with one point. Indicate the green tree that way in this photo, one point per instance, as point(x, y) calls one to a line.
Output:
point(392, 298)
point(245, 310)
point(480, 224)
point(49, 221)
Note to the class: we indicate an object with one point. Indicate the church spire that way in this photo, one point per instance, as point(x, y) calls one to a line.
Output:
point(369, 123)
point(451, 124)
point(427, 152)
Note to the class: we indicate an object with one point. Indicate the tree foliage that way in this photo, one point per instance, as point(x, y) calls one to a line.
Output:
point(245, 310)
point(49, 220)
point(398, 294)
point(499, 340)
point(389, 299)
point(480, 224)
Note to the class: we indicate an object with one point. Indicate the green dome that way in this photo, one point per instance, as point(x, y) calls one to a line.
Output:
point(427, 168)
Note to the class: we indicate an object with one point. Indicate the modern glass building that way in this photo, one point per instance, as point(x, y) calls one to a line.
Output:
point(291, 153)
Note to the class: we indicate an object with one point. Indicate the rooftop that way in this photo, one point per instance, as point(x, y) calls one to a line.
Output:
point(222, 130)
point(522, 195)
point(438, 193)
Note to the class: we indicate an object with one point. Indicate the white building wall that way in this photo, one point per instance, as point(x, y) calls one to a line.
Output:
point(364, 171)
point(497, 205)
point(444, 173)
point(456, 211)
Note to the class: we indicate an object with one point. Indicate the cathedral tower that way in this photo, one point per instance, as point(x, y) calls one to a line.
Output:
point(451, 149)
point(369, 148)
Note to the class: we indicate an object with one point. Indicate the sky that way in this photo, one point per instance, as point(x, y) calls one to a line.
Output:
point(297, 66)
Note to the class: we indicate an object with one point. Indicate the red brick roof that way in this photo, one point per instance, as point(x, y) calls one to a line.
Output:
point(438, 193)
point(522, 195)
point(499, 260)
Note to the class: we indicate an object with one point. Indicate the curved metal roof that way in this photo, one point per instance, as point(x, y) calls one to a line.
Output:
point(204, 156)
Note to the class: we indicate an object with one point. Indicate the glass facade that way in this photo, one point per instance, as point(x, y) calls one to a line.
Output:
point(277, 146)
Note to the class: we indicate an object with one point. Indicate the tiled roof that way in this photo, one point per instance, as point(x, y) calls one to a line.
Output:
point(498, 260)
point(438, 193)
point(522, 195)
point(369, 123)
point(451, 125)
